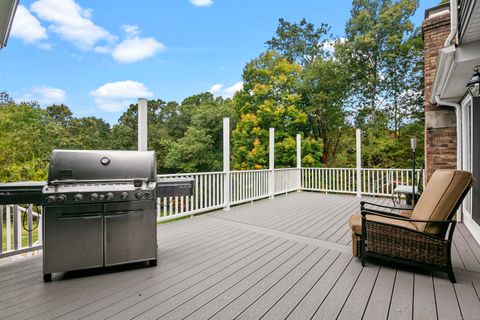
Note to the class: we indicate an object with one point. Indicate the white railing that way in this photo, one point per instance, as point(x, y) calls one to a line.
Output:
point(375, 182)
point(209, 194)
point(382, 182)
point(341, 180)
point(20, 230)
point(286, 180)
point(248, 185)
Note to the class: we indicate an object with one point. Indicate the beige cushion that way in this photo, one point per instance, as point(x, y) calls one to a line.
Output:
point(439, 198)
point(355, 222)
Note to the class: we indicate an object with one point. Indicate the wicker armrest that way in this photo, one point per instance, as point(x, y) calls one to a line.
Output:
point(398, 217)
point(444, 224)
point(363, 203)
point(364, 212)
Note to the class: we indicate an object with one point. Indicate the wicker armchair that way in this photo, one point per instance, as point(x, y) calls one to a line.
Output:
point(422, 238)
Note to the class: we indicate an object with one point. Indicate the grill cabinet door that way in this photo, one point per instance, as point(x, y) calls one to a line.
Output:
point(130, 232)
point(72, 238)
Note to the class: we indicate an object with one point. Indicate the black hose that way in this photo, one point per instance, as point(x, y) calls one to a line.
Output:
point(24, 218)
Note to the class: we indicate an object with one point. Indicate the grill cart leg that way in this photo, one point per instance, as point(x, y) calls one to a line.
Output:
point(153, 263)
point(47, 277)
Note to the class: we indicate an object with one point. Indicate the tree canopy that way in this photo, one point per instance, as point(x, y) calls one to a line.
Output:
point(306, 81)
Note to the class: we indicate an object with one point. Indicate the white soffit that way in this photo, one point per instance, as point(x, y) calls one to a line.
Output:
point(454, 70)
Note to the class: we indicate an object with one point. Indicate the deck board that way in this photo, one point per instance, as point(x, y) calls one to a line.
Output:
point(287, 258)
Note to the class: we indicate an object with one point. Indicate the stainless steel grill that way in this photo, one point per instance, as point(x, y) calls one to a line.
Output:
point(99, 208)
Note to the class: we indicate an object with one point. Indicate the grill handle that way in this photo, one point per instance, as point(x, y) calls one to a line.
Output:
point(80, 216)
point(123, 213)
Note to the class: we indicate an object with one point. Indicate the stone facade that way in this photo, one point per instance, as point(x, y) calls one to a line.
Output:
point(440, 131)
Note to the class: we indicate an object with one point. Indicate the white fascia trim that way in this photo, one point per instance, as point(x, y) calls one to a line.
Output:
point(445, 66)
point(6, 32)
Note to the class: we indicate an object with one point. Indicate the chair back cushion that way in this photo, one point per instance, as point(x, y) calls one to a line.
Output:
point(440, 197)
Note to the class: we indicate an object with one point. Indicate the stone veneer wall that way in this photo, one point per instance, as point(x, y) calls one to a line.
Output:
point(440, 121)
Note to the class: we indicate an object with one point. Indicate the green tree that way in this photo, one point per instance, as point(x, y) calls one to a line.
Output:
point(200, 149)
point(299, 42)
point(269, 98)
point(375, 34)
point(324, 90)
point(25, 142)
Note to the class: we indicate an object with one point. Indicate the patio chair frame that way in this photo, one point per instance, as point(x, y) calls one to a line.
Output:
point(407, 246)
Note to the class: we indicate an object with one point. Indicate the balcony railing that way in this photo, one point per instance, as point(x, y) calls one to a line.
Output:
point(19, 235)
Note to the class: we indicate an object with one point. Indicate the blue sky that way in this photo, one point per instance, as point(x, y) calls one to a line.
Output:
point(99, 56)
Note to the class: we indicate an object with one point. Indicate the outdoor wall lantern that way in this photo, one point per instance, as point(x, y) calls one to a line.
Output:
point(474, 84)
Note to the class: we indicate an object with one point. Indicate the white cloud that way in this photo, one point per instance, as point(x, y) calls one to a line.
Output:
point(116, 96)
point(217, 89)
point(74, 23)
point(135, 49)
point(44, 95)
point(26, 27)
point(131, 30)
point(201, 3)
point(45, 46)
point(329, 45)
point(71, 22)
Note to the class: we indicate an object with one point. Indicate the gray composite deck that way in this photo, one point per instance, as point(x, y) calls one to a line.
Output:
point(271, 259)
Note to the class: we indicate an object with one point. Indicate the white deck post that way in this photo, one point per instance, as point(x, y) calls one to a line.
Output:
point(226, 163)
point(142, 124)
point(271, 163)
point(359, 163)
point(299, 162)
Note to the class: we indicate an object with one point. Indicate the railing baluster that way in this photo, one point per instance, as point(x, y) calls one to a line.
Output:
point(1, 229)
point(30, 225)
point(17, 231)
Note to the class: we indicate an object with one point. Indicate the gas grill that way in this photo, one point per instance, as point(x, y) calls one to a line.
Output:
point(99, 208)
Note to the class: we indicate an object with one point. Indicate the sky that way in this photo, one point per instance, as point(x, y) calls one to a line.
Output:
point(97, 57)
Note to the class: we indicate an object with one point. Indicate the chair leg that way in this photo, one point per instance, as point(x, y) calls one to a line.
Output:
point(451, 275)
point(363, 255)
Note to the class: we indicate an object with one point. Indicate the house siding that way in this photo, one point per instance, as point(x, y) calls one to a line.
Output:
point(440, 130)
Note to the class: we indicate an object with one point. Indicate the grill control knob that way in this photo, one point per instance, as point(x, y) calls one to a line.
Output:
point(124, 195)
point(61, 198)
point(109, 196)
point(94, 197)
point(51, 199)
point(101, 197)
point(138, 195)
point(78, 197)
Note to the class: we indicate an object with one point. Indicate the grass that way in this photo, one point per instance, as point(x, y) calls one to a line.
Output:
point(24, 235)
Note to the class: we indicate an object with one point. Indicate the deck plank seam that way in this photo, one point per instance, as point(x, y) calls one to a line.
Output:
point(228, 265)
point(290, 236)
point(311, 288)
point(276, 268)
point(371, 292)
point(293, 285)
point(222, 279)
point(267, 289)
point(192, 267)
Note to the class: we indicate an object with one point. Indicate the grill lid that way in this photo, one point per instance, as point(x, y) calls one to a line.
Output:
point(97, 165)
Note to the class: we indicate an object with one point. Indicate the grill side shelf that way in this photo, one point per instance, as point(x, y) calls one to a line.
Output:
point(21, 192)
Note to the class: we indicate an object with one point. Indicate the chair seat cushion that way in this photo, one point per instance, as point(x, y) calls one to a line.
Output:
point(355, 222)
